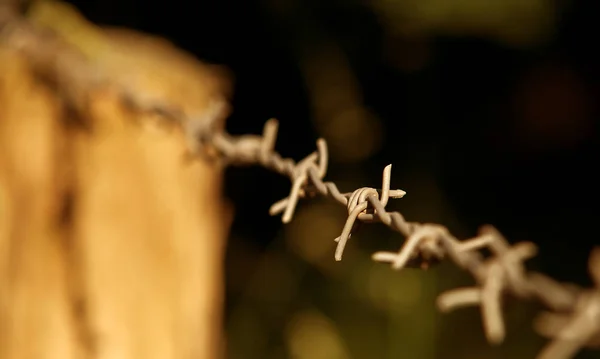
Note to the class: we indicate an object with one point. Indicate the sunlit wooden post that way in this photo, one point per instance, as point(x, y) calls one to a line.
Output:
point(110, 243)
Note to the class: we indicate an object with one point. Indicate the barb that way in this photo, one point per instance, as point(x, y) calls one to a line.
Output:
point(364, 204)
point(497, 275)
point(501, 273)
point(573, 318)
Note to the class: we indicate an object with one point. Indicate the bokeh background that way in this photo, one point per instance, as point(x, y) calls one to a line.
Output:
point(488, 112)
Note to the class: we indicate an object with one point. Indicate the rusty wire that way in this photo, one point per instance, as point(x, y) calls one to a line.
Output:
point(572, 320)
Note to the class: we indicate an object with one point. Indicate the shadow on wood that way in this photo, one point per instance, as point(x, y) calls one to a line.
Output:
point(110, 243)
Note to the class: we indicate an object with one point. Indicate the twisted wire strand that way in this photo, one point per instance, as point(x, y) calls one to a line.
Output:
point(572, 319)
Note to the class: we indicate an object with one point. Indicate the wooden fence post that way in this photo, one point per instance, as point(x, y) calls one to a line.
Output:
point(111, 245)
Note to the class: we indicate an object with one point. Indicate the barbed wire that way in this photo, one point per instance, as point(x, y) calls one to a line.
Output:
point(572, 319)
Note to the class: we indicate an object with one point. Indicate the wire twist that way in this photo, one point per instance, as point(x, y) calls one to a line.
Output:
point(501, 273)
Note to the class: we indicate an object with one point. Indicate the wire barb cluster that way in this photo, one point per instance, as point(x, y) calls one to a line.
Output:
point(573, 317)
point(572, 320)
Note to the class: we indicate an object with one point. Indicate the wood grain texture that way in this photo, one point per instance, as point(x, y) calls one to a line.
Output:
point(111, 244)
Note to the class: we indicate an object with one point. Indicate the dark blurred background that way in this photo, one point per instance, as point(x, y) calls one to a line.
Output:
point(487, 111)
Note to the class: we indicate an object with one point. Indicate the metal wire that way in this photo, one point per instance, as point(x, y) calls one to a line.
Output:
point(572, 320)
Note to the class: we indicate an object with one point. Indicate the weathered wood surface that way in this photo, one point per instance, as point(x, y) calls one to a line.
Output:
point(110, 242)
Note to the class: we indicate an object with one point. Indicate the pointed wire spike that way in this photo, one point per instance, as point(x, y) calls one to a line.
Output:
point(339, 251)
point(384, 256)
point(278, 206)
point(397, 193)
point(385, 185)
